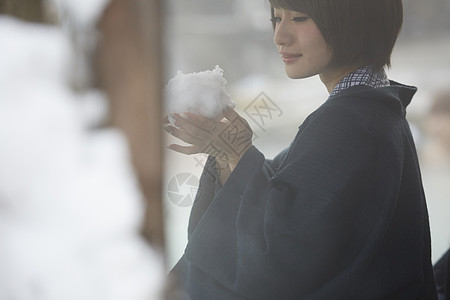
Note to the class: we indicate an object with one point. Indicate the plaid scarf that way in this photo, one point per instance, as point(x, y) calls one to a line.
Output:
point(363, 76)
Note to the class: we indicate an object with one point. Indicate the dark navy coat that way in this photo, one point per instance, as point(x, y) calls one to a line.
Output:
point(340, 214)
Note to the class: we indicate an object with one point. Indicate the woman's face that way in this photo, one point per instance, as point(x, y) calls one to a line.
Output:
point(300, 43)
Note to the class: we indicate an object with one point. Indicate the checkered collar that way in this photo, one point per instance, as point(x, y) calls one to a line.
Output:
point(367, 76)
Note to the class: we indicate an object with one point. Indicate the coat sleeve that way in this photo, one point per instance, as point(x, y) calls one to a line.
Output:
point(210, 183)
point(290, 233)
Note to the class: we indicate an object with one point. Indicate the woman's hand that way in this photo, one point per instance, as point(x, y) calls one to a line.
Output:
point(227, 140)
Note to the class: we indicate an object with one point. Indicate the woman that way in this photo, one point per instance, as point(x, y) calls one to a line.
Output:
point(341, 213)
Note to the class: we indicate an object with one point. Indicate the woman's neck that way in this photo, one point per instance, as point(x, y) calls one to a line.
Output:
point(332, 77)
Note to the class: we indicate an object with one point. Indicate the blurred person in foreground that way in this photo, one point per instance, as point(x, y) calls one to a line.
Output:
point(339, 214)
point(436, 161)
point(438, 128)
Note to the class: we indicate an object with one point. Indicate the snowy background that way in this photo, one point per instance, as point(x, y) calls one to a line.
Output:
point(70, 207)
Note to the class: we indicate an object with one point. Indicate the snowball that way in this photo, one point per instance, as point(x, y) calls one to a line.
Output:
point(201, 93)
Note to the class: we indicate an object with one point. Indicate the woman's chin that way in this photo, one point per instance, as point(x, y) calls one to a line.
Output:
point(296, 74)
point(293, 75)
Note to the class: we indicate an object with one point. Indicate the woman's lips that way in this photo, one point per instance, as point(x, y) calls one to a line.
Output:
point(289, 57)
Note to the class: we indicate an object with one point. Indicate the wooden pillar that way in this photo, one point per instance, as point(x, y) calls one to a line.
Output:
point(129, 66)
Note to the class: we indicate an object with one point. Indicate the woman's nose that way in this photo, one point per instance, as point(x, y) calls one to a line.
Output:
point(282, 34)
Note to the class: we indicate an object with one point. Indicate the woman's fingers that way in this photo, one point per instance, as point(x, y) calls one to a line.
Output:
point(183, 135)
point(231, 115)
point(196, 125)
point(239, 123)
point(226, 140)
point(185, 149)
point(197, 119)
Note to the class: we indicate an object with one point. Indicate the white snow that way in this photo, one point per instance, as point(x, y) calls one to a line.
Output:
point(201, 93)
point(84, 12)
point(70, 206)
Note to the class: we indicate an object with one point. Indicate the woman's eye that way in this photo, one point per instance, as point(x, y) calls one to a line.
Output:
point(299, 19)
point(275, 20)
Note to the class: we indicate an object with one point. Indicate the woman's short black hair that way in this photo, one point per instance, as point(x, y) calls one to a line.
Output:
point(361, 32)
